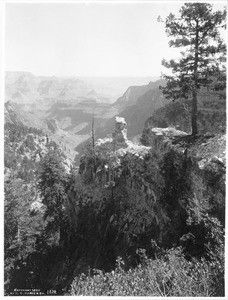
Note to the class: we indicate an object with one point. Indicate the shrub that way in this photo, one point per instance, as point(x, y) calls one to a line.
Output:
point(169, 275)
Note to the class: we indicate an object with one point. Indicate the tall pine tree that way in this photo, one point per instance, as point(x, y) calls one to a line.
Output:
point(197, 30)
point(52, 186)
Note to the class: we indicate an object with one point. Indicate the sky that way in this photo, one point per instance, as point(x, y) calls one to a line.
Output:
point(88, 39)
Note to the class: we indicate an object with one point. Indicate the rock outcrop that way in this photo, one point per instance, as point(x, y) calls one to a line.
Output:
point(114, 148)
point(119, 143)
point(176, 175)
point(204, 150)
point(120, 134)
point(168, 132)
point(164, 135)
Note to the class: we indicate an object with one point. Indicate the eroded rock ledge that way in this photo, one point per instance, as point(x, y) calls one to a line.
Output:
point(119, 142)
point(208, 150)
point(133, 167)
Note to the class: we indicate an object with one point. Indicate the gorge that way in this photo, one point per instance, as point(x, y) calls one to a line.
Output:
point(137, 196)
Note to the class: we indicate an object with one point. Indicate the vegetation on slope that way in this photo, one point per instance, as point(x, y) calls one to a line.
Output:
point(59, 226)
point(116, 206)
point(26, 237)
point(166, 212)
point(170, 274)
point(135, 223)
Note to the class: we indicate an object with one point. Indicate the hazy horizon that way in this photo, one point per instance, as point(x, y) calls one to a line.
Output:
point(92, 40)
point(83, 76)
point(112, 87)
point(88, 39)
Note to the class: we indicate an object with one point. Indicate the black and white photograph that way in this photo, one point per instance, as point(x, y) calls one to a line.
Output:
point(114, 148)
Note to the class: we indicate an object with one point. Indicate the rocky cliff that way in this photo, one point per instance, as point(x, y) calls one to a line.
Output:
point(173, 178)
point(205, 164)
point(132, 94)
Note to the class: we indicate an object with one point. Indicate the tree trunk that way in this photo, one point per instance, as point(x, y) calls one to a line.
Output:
point(194, 113)
point(194, 93)
point(93, 149)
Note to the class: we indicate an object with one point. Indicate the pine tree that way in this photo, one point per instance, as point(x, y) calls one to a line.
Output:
point(197, 30)
point(22, 228)
point(52, 185)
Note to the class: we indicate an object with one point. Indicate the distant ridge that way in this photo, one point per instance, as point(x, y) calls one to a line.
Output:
point(27, 88)
point(132, 94)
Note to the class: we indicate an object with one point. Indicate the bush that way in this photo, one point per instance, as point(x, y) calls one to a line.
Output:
point(170, 275)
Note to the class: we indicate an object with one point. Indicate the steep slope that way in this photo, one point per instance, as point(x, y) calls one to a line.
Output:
point(132, 94)
point(42, 121)
point(170, 195)
point(114, 87)
point(24, 148)
point(25, 151)
point(12, 113)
